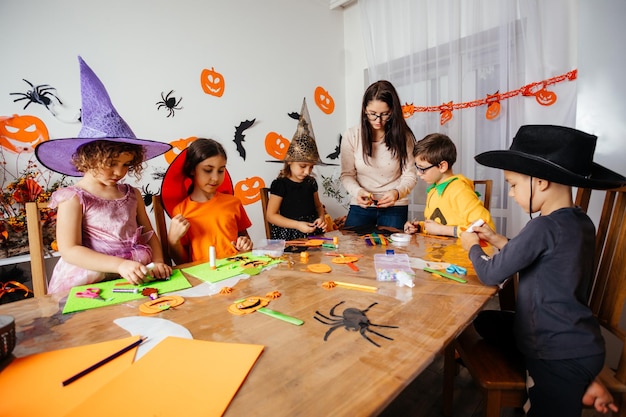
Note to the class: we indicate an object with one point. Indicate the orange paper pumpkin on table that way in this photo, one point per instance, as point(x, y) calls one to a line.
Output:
point(276, 145)
point(212, 82)
point(249, 190)
point(324, 101)
point(22, 133)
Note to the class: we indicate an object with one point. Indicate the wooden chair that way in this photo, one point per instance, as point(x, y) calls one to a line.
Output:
point(486, 193)
point(36, 248)
point(161, 227)
point(265, 196)
point(501, 378)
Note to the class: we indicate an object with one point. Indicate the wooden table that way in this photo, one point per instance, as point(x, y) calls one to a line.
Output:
point(298, 373)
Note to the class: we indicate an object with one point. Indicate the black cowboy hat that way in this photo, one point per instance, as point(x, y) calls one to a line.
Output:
point(554, 153)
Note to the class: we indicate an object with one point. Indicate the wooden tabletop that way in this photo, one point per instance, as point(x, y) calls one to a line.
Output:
point(298, 373)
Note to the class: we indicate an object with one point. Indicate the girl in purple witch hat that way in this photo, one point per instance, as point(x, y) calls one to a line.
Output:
point(103, 229)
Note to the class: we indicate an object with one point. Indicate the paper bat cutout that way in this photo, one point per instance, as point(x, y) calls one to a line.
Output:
point(240, 137)
point(294, 115)
point(335, 154)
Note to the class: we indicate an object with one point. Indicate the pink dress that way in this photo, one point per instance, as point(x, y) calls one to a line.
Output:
point(110, 227)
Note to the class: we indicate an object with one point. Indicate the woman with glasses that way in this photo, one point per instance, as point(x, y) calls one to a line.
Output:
point(377, 166)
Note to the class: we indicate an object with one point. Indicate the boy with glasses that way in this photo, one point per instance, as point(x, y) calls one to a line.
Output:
point(451, 204)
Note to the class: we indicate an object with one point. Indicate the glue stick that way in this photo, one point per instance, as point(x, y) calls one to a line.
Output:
point(336, 242)
point(212, 257)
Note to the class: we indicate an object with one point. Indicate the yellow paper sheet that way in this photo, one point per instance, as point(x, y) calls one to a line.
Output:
point(31, 386)
point(177, 377)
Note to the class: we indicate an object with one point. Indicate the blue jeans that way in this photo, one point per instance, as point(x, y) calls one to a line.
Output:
point(373, 217)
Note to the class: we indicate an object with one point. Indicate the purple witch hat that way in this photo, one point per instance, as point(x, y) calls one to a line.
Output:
point(100, 121)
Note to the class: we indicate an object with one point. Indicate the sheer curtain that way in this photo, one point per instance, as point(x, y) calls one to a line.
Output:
point(443, 51)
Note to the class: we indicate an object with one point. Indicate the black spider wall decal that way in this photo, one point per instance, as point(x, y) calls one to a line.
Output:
point(147, 195)
point(351, 319)
point(170, 103)
point(40, 94)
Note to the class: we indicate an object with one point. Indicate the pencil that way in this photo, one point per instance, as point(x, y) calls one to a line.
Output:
point(445, 275)
point(355, 286)
point(103, 362)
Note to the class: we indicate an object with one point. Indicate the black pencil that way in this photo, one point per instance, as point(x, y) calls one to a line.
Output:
point(103, 361)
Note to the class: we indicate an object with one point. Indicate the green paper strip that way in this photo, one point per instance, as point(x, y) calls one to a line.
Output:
point(280, 316)
point(445, 275)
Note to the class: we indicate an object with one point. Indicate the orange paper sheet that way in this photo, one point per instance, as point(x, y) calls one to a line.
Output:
point(177, 377)
point(31, 386)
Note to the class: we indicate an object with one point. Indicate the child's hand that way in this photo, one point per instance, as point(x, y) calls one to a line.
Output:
point(243, 244)
point(435, 228)
point(178, 227)
point(320, 223)
point(411, 227)
point(133, 272)
point(469, 239)
point(306, 227)
point(599, 397)
point(160, 271)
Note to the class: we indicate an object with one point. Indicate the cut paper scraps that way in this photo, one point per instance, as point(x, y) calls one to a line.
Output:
point(22, 133)
point(212, 82)
point(154, 328)
point(176, 282)
point(39, 377)
point(166, 387)
point(537, 89)
point(231, 267)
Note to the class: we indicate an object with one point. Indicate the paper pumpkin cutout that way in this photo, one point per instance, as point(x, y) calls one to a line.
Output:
point(446, 113)
point(248, 305)
point(212, 82)
point(344, 259)
point(177, 147)
point(408, 110)
point(324, 101)
point(249, 190)
point(22, 133)
point(161, 304)
point(545, 97)
point(319, 268)
point(276, 145)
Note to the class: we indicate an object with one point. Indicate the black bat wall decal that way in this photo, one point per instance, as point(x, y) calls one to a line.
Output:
point(335, 154)
point(294, 115)
point(240, 137)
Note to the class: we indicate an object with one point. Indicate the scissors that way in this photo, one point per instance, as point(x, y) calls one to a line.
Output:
point(91, 292)
point(455, 269)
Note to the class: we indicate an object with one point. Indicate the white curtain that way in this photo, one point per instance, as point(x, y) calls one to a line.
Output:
point(461, 51)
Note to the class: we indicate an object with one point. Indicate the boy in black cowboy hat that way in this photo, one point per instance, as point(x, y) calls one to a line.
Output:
point(553, 327)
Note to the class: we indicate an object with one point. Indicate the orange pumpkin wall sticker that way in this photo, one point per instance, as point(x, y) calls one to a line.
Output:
point(249, 190)
point(22, 133)
point(276, 145)
point(212, 82)
point(324, 100)
point(177, 147)
point(545, 97)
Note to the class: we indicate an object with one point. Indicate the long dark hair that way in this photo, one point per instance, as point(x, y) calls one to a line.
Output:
point(199, 150)
point(397, 132)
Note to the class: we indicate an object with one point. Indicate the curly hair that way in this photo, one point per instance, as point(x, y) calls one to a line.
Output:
point(98, 154)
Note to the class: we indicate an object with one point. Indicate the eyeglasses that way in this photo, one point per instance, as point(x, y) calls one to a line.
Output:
point(423, 170)
point(373, 116)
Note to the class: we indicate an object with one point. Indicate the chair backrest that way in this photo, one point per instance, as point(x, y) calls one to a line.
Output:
point(265, 196)
point(486, 192)
point(609, 290)
point(36, 248)
point(161, 226)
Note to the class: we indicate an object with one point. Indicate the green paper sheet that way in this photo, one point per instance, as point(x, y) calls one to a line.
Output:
point(176, 282)
point(225, 268)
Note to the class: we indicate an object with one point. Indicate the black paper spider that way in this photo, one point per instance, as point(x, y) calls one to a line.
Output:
point(147, 195)
point(352, 319)
point(39, 94)
point(170, 103)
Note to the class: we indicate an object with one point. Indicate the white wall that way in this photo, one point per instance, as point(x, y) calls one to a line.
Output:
point(271, 53)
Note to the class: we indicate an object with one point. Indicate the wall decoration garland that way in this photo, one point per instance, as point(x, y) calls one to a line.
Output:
point(537, 89)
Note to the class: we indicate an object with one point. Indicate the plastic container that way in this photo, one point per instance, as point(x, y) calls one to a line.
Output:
point(388, 265)
point(270, 247)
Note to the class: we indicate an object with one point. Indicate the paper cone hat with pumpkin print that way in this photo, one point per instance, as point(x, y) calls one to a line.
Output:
point(303, 147)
